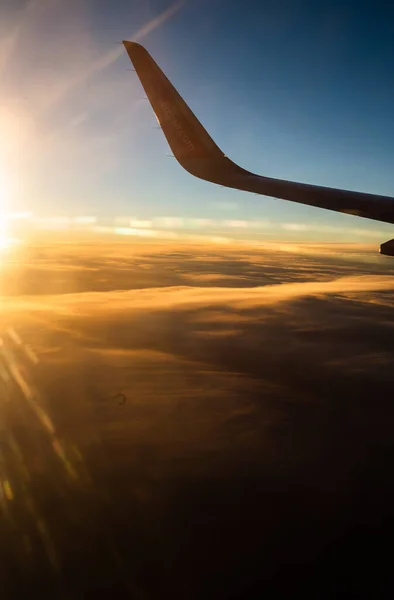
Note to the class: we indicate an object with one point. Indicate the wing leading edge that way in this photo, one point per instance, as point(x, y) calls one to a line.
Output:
point(196, 152)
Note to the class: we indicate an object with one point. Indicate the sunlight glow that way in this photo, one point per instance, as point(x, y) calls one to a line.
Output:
point(3, 194)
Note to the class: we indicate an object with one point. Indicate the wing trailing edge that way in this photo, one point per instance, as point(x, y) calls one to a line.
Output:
point(196, 152)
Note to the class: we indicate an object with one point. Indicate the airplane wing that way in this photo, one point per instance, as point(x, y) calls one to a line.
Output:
point(196, 152)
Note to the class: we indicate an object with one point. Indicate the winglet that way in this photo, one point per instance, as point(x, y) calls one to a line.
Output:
point(191, 144)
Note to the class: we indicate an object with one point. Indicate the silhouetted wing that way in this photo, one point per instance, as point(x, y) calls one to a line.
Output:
point(196, 151)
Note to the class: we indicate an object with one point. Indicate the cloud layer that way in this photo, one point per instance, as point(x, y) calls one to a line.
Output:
point(257, 432)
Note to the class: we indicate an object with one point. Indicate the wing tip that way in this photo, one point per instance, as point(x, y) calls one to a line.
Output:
point(132, 45)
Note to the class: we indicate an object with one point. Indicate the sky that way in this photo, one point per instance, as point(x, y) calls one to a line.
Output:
point(301, 91)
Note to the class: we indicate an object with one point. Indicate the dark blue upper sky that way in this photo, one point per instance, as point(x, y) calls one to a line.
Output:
point(300, 90)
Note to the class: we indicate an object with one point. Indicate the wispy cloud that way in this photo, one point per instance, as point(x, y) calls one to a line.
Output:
point(199, 229)
point(108, 58)
point(186, 298)
point(314, 227)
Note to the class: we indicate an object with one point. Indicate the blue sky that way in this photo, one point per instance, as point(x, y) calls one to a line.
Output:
point(299, 90)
